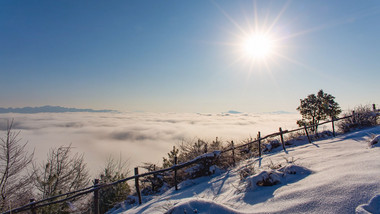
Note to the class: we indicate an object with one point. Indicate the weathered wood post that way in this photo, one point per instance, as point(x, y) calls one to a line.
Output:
point(154, 178)
point(282, 139)
point(375, 112)
point(137, 184)
point(259, 139)
point(32, 206)
point(307, 133)
point(205, 162)
point(233, 153)
point(249, 147)
point(175, 172)
point(353, 117)
point(333, 127)
point(96, 197)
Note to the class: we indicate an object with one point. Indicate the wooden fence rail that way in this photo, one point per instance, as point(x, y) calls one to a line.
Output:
point(34, 205)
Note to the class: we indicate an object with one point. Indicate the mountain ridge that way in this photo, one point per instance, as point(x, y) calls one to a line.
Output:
point(49, 109)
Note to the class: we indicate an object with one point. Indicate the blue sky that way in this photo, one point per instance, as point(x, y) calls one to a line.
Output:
point(184, 56)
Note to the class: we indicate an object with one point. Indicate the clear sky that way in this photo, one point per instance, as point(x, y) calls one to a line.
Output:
point(187, 56)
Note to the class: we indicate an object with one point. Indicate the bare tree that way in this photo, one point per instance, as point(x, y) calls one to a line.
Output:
point(61, 173)
point(14, 162)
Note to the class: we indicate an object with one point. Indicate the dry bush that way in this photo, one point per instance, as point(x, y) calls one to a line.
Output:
point(246, 171)
point(364, 117)
point(273, 165)
point(187, 151)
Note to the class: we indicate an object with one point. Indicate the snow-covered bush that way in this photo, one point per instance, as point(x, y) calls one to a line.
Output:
point(271, 144)
point(364, 117)
point(285, 174)
point(264, 178)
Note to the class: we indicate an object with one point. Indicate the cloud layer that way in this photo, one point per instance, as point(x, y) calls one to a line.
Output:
point(138, 137)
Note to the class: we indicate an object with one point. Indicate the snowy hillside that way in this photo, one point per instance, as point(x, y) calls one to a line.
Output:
point(336, 175)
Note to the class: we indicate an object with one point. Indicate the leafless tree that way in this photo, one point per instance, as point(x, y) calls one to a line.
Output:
point(14, 162)
point(61, 173)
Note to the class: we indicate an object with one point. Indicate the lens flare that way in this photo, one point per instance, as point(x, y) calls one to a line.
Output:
point(258, 46)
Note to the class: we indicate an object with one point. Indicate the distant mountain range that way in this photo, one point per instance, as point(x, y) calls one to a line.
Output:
point(47, 109)
point(273, 112)
point(233, 112)
point(281, 112)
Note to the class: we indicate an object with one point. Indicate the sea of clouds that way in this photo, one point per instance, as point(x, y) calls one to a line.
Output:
point(135, 136)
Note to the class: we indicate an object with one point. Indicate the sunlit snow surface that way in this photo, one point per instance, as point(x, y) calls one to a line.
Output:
point(342, 176)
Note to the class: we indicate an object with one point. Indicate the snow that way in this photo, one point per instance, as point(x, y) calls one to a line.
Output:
point(375, 141)
point(335, 175)
point(372, 207)
point(200, 206)
point(209, 155)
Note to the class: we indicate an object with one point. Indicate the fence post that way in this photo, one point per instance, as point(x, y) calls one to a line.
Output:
point(205, 164)
point(333, 127)
point(307, 133)
point(375, 112)
point(353, 117)
point(137, 184)
point(259, 139)
point(154, 178)
point(233, 152)
point(32, 206)
point(282, 139)
point(175, 172)
point(96, 197)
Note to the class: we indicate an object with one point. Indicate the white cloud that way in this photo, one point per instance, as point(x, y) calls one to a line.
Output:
point(139, 137)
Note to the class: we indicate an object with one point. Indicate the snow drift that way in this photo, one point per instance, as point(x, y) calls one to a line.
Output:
point(336, 175)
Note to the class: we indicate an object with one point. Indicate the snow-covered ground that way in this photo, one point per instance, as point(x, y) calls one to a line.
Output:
point(336, 175)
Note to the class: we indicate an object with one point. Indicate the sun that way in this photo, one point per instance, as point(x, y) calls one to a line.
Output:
point(258, 46)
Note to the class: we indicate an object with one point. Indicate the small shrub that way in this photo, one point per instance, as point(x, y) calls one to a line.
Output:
point(247, 171)
point(270, 180)
point(191, 150)
point(113, 171)
point(274, 166)
point(153, 183)
point(295, 136)
point(271, 144)
point(186, 152)
point(291, 160)
point(363, 117)
point(169, 161)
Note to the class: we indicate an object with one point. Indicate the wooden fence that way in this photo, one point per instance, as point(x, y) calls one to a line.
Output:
point(34, 205)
